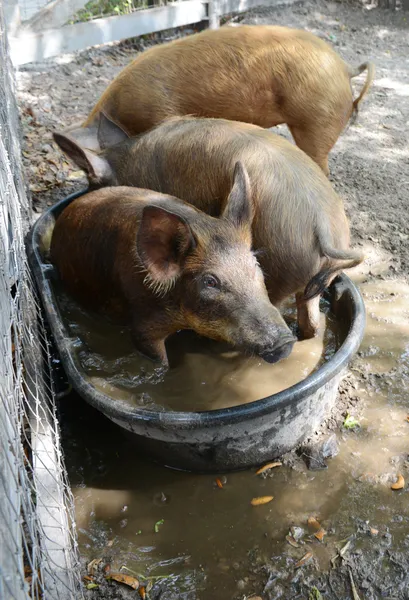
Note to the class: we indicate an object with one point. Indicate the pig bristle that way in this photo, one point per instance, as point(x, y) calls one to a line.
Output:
point(159, 288)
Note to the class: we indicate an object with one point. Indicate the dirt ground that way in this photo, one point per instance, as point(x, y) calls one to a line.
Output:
point(370, 170)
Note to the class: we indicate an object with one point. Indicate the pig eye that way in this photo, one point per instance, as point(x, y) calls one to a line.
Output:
point(209, 281)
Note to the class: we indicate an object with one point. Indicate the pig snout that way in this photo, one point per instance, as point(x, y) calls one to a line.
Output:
point(280, 351)
point(266, 334)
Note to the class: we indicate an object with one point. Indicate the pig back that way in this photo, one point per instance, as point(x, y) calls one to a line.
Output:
point(258, 74)
point(91, 247)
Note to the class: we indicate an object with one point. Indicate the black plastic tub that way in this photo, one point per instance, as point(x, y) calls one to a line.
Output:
point(219, 440)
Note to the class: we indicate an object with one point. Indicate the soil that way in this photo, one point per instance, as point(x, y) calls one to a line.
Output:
point(226, 550)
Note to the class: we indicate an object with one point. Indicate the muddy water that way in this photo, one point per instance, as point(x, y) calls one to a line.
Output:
point(203, 374)
point(213, 544)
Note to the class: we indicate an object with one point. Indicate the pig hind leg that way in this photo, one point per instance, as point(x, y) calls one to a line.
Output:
point(308, 315)
point(316, 139)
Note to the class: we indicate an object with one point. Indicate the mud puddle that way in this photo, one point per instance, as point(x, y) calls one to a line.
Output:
point(203, 374)
point(192, 539)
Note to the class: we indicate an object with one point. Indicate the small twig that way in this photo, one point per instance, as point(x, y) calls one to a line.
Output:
point(355, 594)
point(149, 578)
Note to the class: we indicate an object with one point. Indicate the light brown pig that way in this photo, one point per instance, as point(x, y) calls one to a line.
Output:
point(300, 229)
point(257, 74)
point(164, 265)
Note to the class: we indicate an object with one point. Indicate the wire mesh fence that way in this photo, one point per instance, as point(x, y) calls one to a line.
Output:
point(38, 548)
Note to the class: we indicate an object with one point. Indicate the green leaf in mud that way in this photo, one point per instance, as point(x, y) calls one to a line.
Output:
point(314, 594)
point(92, 586)
point(350, 422)
point(158, 524)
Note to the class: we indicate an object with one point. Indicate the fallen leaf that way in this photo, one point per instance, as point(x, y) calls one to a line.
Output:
point(110, 543)
point(261, 500)
point(142, 592)
point(350, 422)
point(126, 579)
point(219, 483)
point(88, 578)
point(304, 560)
point(292, 541)
point(107, 569)
point(297, 532)
point(320, 534)
point(93, 565)
point(314, 594)
point(268, 466)
point(407, 418)
point(399, 484)
point(76, 175)
point(92, 586)
point(312, 522)
point(374, 531)
point(158, 524)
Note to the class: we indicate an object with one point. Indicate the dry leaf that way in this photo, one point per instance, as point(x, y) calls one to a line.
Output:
point(93, 565)
point(399, 484)
point(88, 578)
point(261, 500)
point(142, 592)
point(126, 579)
point(320, 534)
point(304, 560)
point(219, 483)
point(268, 466)
point(76, 175)
point(312, 522)
point(407, 418)
point(374, 531)
point(292, 541)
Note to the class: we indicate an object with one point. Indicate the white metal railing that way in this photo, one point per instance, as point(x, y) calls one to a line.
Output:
point(28, 43)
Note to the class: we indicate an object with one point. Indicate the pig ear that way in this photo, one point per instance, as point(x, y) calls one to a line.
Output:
point(239, 207)
point(163, 241)
point(96, 167)
point(109, 132)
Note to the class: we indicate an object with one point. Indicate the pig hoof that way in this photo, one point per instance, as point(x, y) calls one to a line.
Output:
point(308, 332)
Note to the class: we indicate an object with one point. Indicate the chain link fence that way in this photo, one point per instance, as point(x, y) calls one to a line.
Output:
point(38, 547)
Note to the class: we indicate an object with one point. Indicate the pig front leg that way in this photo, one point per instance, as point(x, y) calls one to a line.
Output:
point(308, 315)
point(149, 342)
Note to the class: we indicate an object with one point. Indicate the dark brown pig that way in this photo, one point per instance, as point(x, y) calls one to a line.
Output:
point(257, 74)
point(165, 266)
point(300, 225)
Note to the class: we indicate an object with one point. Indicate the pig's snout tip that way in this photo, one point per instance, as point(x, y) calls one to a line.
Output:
point(280, 351)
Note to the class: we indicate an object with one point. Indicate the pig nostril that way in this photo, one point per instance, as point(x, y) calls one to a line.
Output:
point(281, 350)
